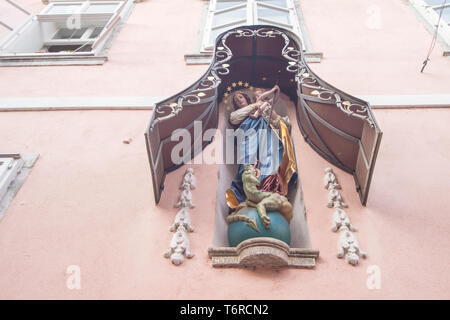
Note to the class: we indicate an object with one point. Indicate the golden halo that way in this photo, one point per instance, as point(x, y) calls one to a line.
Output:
point(238, 85)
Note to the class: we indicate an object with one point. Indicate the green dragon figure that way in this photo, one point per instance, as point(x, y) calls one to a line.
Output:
point(261, 200)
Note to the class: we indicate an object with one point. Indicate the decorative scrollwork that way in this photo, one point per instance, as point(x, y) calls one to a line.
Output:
point(295, 64)
point(305, 78)
point(354, 109)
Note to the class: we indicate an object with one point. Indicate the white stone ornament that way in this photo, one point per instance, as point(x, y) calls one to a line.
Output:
point(330, 178)
point(341, 219)
point(188, 179)
point(348, 247)
point(334, 197)
point(179, 247)
point(182, 219)
point(185, 200)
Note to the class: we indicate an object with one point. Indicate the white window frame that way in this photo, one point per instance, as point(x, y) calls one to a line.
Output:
point(203, 52)
point(14, 169)
point(251, 18)
point(97, 54)
point(111, 20)
point(430, 18)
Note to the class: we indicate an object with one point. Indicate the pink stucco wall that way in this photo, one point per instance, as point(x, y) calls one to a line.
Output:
point(88, 201)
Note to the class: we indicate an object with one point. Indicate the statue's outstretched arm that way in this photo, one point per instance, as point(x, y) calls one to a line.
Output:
point(239, 115)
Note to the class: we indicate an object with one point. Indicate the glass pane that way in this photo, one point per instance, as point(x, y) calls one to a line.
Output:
point(64, 8)
point(216, 32)
point(66, 33)
point(434, 2)
point(279, 3)
point(445, 14)
point(96, 32)
point(273, 14)
point(101, 8)
point(68, 48)
point(229, 16)
point(226, 4)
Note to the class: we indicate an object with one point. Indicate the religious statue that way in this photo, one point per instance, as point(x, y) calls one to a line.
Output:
point(261, 200)
point(266, 168)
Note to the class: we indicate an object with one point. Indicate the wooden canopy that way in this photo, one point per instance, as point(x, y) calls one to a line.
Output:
point(338, 126)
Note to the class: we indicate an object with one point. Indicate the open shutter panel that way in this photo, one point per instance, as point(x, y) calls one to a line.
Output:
point(368, 150)
point(196, 103)
point(340, 127)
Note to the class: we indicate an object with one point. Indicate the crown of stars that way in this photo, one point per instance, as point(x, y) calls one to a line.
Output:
point(234, 86)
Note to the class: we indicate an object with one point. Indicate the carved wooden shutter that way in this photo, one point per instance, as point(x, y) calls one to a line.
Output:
point(340, 127)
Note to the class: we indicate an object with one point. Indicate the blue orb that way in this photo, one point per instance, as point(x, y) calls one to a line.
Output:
point(239, 231)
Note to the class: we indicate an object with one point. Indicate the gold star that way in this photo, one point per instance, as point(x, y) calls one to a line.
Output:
point(225, 101)
point(226, 94)
point(264, 78)
point(251, 88)
point(229, 89)
point(246, 84)
point(228, 108)
point(292, 80)
point(233, 84)
point(240, 83)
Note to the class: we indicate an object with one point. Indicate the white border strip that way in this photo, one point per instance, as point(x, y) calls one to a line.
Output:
point(408, 101)
point(148, 102)
point(78, 103)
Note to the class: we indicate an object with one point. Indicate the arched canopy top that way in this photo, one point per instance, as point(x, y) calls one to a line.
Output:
point(340, 127)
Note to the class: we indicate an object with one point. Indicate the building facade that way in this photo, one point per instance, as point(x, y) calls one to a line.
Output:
point(82, 102)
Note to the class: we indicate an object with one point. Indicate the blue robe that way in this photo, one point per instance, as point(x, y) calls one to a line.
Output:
point(262, 143)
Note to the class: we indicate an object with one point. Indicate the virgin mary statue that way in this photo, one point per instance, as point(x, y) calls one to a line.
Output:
point(266, 144)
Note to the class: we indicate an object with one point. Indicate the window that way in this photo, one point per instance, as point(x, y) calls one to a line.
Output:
point(65, 33)
point(226, 14)
point(221, 15)
point(14, 168)
point(429, 11)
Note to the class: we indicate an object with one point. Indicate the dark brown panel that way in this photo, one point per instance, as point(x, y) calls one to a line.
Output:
point(344, 150)
point(368, 140)
point(335, 117)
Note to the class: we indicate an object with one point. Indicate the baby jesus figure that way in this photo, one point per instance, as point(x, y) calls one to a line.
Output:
point(264, 100)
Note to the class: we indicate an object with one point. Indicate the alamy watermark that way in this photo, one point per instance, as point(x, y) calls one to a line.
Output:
point(374, 20)
point(374, 280)
point(73, 281)
point(237, 146)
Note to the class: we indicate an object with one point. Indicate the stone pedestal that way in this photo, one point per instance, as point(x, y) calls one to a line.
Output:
point(263, 252)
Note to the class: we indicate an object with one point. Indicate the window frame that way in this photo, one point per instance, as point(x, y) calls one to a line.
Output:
point(251, 18)
point(109, 21)
point(430, 17)
point(12, 179)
